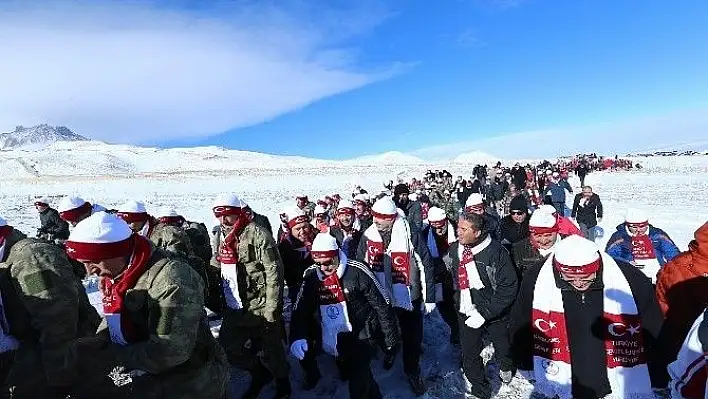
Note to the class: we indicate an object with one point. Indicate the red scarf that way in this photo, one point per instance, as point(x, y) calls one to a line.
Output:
point(114, 291)
point(375, 255)
point(330, 291)
point(424, 208)
point(227, 255)
point(642, 247)
point(172, 220)
point(462, 278)
point(5, 232)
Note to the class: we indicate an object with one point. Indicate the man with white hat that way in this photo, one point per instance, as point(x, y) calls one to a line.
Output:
point(52, 227)
point(343, 296)
point(347, 229)
point(44, 310)
point(566, 225)
point(154, 317)
point(585, 326)
point(641, 244)
point(541, 242)
point(295, 249)
point(363, 211)
point(251, 270)
point(321, 221)
point(401, 263)
point(75, 209)
point(475, 204)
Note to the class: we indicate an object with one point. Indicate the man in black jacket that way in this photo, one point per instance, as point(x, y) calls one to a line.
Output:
point(53, 227)
point(412, 209)
point(514, 227)
point(486, 285)
point(347, 230)
point(336, 300)
point(587, 211)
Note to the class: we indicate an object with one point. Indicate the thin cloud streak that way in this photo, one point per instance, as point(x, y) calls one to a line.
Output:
point(134, 72)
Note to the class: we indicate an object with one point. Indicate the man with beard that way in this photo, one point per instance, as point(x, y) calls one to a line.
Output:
point(253, 311)
point(542, 239)
point(295, 250)
point(347, 229)
point(486, 285)
point(514, 227)
point(440, 234)
point(585, 326)
point(337, 299)
point(411, 209)
point(401, 263)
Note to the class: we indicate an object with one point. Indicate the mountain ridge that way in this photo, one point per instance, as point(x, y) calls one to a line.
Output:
point(37, 137)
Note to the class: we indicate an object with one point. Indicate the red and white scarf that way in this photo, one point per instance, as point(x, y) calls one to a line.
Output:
point(435, 253)
point(627, 370)
point(334, 317)
point(468, 275)
point(228, 258)
point(392, 265)
point(120, 327)
point(689, 372)
point(644, 254)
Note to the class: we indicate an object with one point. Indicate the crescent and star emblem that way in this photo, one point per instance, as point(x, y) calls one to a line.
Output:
point(544, 325)
point(398, 261)
point(632, 330)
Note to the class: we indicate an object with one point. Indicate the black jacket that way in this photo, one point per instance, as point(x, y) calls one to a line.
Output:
point(420, 246)
point(365, 301)
point(498, 276)
point(352, 244)
point(512, 231)
point(491, 216)
point(525, 256)
point(414, 214)
point(53, 224)
point(589, 213)
point(294, 263)
point(583, 314)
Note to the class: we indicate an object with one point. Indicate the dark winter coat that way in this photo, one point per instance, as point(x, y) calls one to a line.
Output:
point(513, 232)
point(438, 264)
point(583, 314)
point(414, 214)
point(498, 276)
point(495, 192)
point(491, 217)
point(353, 243)
point(620, 245)
point(366, 301)
point(556, 191)
point(53, 224)
point(525, 256)
point(518, 175)
point(589, 213)
point(12, 239)
point(295, 263)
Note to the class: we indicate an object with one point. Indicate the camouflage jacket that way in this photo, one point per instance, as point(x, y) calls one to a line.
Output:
point(176, 347)
point(46, 309)
point(261, 272)
point(199, 238)
point(175, 242)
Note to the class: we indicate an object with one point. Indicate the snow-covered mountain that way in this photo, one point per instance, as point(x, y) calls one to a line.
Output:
point(36, 137)
point(388, 158)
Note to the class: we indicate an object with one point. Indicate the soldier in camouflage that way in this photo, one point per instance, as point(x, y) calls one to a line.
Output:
point(251, 272)
point(154, 341)
point(45, 309)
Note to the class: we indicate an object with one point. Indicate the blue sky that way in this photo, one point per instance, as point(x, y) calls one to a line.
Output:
point(370, 77)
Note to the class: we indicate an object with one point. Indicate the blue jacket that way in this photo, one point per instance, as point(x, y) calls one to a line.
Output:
point(620, 245)
point(557, 191)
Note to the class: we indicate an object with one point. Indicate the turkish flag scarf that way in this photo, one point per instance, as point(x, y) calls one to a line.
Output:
point(334, 317)
point(120, 326)
point(468, 275)
point(228, 258)
point(621, 329)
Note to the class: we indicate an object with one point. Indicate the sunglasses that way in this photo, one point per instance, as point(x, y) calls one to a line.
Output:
point(325, 263)
point(517, 212)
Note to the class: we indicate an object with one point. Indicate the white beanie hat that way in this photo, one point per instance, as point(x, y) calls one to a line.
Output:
point(474, 202)
point(166, 212)
point(437, 216)
point(296, 216)
point(576, 255)
point(543, 222)
point(132, 206)
point(98, 237)
point(360, 198)
point(227, 200)
point(324, 246)
point(42, 201)
point(70, 203)
point(549, 209)
point(384, 208)
point(319, 209)
point(636, 216)
point(345, 204)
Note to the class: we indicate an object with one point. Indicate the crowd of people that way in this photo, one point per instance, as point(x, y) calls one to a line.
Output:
point(498, 256)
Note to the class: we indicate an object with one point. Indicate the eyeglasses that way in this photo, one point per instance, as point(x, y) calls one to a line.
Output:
point(517, 212)
point(325, 263)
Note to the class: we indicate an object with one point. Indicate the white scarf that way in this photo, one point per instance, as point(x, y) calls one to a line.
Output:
point(229, 283)
point(687, 371)
point(433, 248)
point(334, 317)
point(399, 257)
point(468, 275)
point(627, 371)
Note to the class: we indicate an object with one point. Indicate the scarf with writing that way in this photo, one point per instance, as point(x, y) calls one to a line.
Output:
point(334, 317)
point(621, 327)
point(392, 266)
point(644, 255)
point(689, 372)
point(468, 275)
point(120, 327)
point(435, 253)
point(228, 258)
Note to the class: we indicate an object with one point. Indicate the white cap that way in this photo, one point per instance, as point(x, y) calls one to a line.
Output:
point(295, 213)
point(228, 199)
point(345, 204)
point(576, 251)
point(360, 197)
point(474, 199)
point(101, 228)
point(549, 209)
point(436, 214)
point(324, 242)
point(384, 206)
point(166, 211)
point(413, 197)
point(132, 206)
point(319, 209)
point(542, 219)
point(41, 200)
point(635, 215)
point(69, 203)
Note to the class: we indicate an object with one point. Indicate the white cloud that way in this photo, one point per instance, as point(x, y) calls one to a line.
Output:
point(138, 72)
point(682, 130)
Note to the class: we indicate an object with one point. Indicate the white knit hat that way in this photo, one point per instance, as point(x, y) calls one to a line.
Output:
point(576, 255)
point(70, 203)
point(546, 208)
point(132, 206)
point(41, 201)
point(413, 197)
point(360, 197)
point(319, 209)
point(543, 222)
point(296, 216)
point(474, 199)
point(345, 204)
point(166, 212)
point(228, 199)
point(384, 208)
point(636, 216)
point(324, 246)
point(436, 216)
point(98, 237)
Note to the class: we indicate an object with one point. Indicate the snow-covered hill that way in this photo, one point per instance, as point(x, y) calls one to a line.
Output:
point(37, 137)
point(476, 158)
point(387, 158)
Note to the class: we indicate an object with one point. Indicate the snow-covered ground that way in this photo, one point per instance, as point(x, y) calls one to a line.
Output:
point(671, 189)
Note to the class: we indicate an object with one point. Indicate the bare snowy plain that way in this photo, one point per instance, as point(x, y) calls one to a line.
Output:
point(671, 189)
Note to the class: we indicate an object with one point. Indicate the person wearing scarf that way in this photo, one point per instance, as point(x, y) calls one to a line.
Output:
point(400, 260)
point(541, 242)
point(52, 226)
point(485, 284)
point(252, 284)
point(566, 225)
point(411, 209)
point(641, 244)
point(295, 250)
point(585, 326)
point(337, 300)
point(689, 372)
point(75, 209)
point(154, 324)
point(363, 211)
point(347, 229)
point(440, 234)
point(475, 204)
point(321, 221)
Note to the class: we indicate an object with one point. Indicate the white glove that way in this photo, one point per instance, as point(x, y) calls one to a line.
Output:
point(298, 349)
point(476, 284)
point(429, 308)
point(475, 320)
